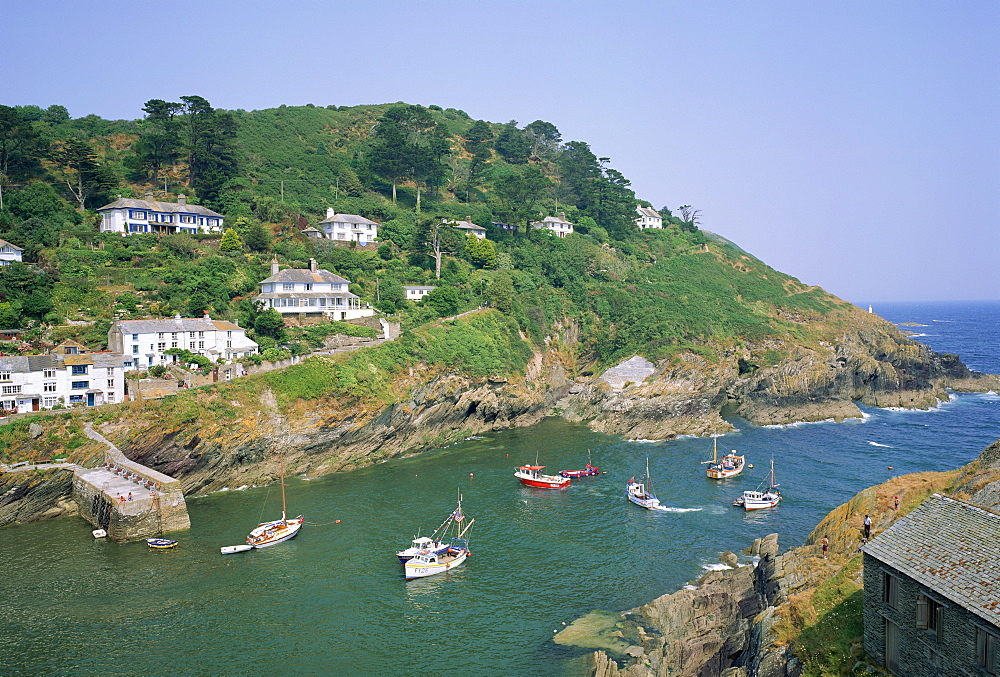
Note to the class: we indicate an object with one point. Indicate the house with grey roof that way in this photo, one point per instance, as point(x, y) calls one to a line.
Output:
point(648, 218)
point(468, 227)
point(348, 228)
point(557, 224)
point(9, 253)
point(311, 291)
point(36, 382)
point(415, 292)
point(932, 591)
point(145, 342)
point(128, 216)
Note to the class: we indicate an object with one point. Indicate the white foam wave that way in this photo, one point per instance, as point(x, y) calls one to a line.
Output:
point(797, 424)
point(689, 587)
point(918, 335)
point(942, 320)
point(643, 441)
point(718, 566)
point(663, 508)
point(876, 444)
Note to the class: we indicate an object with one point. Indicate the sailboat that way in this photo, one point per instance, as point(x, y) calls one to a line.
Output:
point(271, 533)
point(641, 492)
point(755, 500)
point(730, 466)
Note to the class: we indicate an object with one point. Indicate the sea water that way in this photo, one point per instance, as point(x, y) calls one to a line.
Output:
point(334, 600)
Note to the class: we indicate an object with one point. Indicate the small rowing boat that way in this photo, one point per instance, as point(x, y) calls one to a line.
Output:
point(160, 543)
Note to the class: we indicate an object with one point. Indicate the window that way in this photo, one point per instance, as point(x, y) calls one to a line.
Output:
point(111, 398)
point(201, 345)
point(49, 402)
point(987, 651)
point(76, 399)
point(5, 375)
point(111, 383)
point(135, 350)
point(191, 345)
point(48, 373)
point(288, 286)
point(173, 344)
point(201, 334)
point(79, 369)
point(133, 214)
point(160, 335)
point(186, 218)
point(128, 364)
point(161, 347)
point(229, 344)
point(890, 589)
point(11, 390)
point(49, 387)
point(229, 334)
point(80, 385)
point(929, 613)
point(308, 287)
point(135, 337)
point(190, 334)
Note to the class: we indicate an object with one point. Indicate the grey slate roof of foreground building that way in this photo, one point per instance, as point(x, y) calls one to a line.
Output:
point(950, 546)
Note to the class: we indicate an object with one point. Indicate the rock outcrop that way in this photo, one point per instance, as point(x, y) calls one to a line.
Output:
point(32, 496)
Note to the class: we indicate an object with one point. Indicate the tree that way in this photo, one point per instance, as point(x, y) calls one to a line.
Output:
point(209, 143)
point(257, 237)
point(77, 165)
point(500, 293)
point(482, 253)
point(159, 143)
point(516, 192)
point(478, 144)
point(435, 239)
point(513, 144)
point(270, 323)
point(230, 241)
point(20, 145)
point(444, 300)
point(690, 218)
point(544, 138)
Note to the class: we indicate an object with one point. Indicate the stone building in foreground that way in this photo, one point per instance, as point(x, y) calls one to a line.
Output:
point(932, 592)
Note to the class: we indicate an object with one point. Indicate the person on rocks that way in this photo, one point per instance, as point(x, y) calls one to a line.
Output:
point(895, 503)
point(868, 527)
point(826, 545)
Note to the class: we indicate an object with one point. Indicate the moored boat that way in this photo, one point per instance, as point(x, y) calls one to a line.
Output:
point(430, 563)
point(532, 476)
point(588, 471)
point(729, 466)
point(641, 492)
point(757, 499)
point(437, 542)
point(160, 543)
point(271, 533)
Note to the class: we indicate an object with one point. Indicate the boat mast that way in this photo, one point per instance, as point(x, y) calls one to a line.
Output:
point(649, 480)
point(281, 466)
point(715, 449)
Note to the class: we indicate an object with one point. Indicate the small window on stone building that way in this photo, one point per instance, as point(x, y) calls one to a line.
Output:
point(929, 615)
point(890, 589)
point(987, 651)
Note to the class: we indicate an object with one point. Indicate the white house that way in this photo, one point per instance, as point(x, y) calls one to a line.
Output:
point(310, 291)
point(127, 216)
point(468, 227)
point(348, 228)
point(145, 342)
point(648, 218)
point(557, 224)
point(415, 292)
point(35, 382)
point(9, 253)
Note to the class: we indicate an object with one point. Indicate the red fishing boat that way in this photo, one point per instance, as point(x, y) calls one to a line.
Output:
point(588, 471)
point(532, 476)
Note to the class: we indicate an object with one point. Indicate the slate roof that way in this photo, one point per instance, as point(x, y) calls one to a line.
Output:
point(465, 224)
point(306, 295)
point(951, 547)
point(648, 211)
point(305, 276)
point(551, 220)
point(347, 218)
point(4, 243)
point(415, 286)
point(154, 206)
point(167, 325)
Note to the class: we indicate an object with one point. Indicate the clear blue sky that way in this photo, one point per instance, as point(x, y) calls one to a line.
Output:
point(855, 145)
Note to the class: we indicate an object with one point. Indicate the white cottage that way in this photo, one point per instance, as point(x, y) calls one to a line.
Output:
point(648, 218)
point(416, 292)
point(128, 216)
point(9, 253)
point(557, 224)
point(311, 291)
point(468, 227)
point(145, 342)
point(36, 382)
point(348, 228)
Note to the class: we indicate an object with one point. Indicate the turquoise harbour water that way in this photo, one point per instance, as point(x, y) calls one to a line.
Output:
point(333, 601)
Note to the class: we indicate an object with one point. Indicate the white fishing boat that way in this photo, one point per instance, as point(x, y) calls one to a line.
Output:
point(757, 499)
point(641, 492)
point(427, 562)
point(729, 466)
point(271, 533)
point(437, 542)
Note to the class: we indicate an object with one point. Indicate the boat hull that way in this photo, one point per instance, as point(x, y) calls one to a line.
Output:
point(587, 472)
point(648, 502)
point(758, 504)
point(272, 533)
point(160, 543)
point(416, 569)
point(530, 477)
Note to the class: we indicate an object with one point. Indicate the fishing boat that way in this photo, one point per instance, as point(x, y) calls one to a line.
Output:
point(428, 562)
point(160, 543)
point(437, 542)
point(641, 492)
point(271, 533)
point(532, 476)
point(730, 465)
point(757, 499)
point(588, 471)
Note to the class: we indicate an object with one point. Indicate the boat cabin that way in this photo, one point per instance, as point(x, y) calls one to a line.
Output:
point(639, 491)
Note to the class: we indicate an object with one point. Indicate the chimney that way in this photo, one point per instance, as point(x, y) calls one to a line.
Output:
point(274, 266)
point(182, 199)
point(207, 317)
point(177, 316)
point(330, 213)
point(313, 267)
point(149, 196)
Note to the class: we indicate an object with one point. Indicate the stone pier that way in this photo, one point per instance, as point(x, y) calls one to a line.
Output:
point(128, 500)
